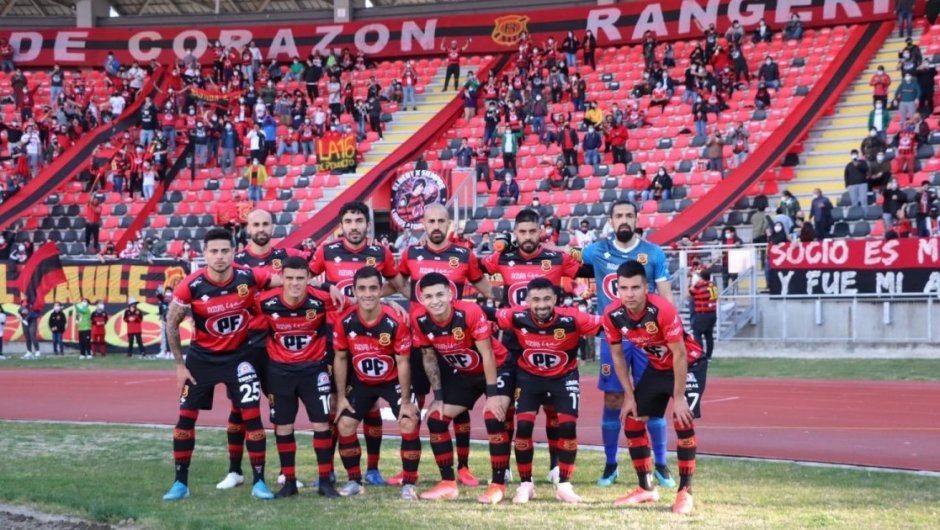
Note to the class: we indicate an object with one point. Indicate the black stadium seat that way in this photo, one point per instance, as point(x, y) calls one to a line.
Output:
point(840, 229)
point(598, 208)
point(165, 208)
point(69, 236)
point(861, 229)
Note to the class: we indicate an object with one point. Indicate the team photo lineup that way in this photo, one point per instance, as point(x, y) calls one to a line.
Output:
point(264, 327)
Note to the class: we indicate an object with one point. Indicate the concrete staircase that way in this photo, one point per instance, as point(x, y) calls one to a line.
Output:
point(403, 125)
point(833, 137)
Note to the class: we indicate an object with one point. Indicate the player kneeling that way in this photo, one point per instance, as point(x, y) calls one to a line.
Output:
point(676, 371)
point(379, 344)
point(475, 364)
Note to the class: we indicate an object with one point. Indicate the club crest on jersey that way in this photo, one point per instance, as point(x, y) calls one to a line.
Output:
point(242, 290)
point(311, 314)
point(652, 328)
point(385, 339)
point(546, 264)
point(458, 333)
point(559, 334)
point(643, 259)
point(370, 261)
point(276, 264)
point(605, 369)
point(454, 262)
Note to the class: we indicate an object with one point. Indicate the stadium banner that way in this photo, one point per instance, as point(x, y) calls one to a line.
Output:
point(112, 283)
point(336, 152)
point(622, 23)
point(212, 96)
point(849, 267)
point(412, 193)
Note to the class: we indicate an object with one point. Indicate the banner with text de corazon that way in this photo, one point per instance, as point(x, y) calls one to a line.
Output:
point(495, 32)
point(336, 152)
point(849, 267)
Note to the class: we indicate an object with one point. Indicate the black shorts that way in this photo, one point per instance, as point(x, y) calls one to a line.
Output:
point(258, 357)
point(237, 374)
point(419, 379)
point(464, 390)
point(310, 384)
point(363, 397)
point(563, 392)
point(654, 389)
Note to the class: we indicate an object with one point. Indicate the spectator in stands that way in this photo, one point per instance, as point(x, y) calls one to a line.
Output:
point(878, 120)
point(714, 152)
point(420, 163)
point(906, 97)
point(905, 11)
point(856, 180)
point(405, 240)
point(737, 138)
point(29, 319)
point(879, 171)
point(735, 33)
point(762, 33)
point(769, 73)
point(288, 143)
point(544, 210)
point(374, 106)
point(649, 49)
point(558, 177)
point(660, 188)
point(230, 142)
point(880, 83)
point(453, 62)
point(569, 47)
point(482, 167)
point(700, 117)
point(760, 219)
point(583, 236)
point(568, 140)
point(894, 199)
point(921, 130)
point(469, 97)
point(762, 97)
point(592, 144)
point(199, 137)
point(906, 142)
point(794, 28)
point(409, 79)
point(257, 175)
point(133, 321)
point(6, 56)
point(464, 154)
point(922, 201)
point(111, 65)
point(108, 253)
point(588, 47)
point(729, 239)
point(778, 235)
point(789, 206)
point(508, 193)
point(820, 210)
point(638, 185)
point(148, 181)
point(616, 139)
point(872, 145)
point(538, 112)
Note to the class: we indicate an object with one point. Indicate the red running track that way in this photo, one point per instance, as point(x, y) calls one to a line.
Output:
point(874, 423)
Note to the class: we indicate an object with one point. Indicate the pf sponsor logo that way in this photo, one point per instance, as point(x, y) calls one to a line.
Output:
point(544, 360)
point(508, 29)
point(463, 360)
point(242, 290)
point(227, 324)
point(609, 285)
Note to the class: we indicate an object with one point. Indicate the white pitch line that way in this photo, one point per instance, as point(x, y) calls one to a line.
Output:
point(142, 381)
point(721, 400)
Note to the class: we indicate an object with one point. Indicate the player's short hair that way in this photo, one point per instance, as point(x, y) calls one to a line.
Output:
point(527, 216)
point(365, 273)
point(632, 269)
point(540, 283)
point(621, 202)
point(355, 207)
point(217, 234)
point(433, 278)
point(295, 262)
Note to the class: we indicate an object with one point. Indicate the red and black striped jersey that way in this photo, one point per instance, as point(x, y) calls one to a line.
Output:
point(272, 263)
point(705, 296)
point(651, 331)
point(372, 346)
point(221, 311)
point(455, 340)
point(296, 334)
point(517, 270)
point(454, 261)
point(340, 262)
point(549, 349)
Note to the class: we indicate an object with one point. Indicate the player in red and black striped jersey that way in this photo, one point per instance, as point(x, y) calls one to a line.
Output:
point(299, 319)
point(676, 371)
point(340, 261)
point(375, 342)
point(460, 266)
point(221, 297)
point(517, 267)
point(475, 364)
point(258, 254)
point(547, 374)
point(704, 295)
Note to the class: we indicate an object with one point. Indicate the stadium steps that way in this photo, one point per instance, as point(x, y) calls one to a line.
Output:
point(827, 149)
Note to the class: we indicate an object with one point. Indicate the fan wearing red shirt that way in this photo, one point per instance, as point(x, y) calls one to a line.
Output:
point(298, 319)
point(376, 343)
point(460, 266)
point(133, 323)
point(676, 371)
point(99, 324)
point(221, 297)
point(474, 364)
point(549, 339)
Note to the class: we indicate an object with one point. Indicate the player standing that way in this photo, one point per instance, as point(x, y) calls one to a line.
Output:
point(460, 266)
point(604, 257)
point(339, 261)
point(676, 371)
point(476, 364)
point(548, 374)
point(299, 320)
point(519, 266)
point(376, 342)
point(220, 296)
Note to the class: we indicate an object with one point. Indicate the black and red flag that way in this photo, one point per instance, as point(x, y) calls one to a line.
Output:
point(40, 274)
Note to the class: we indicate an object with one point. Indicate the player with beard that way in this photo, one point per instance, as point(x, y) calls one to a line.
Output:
point(259, 253)
point(601, 259)
point(528, 261)
point(459, 265)
point(339, 261)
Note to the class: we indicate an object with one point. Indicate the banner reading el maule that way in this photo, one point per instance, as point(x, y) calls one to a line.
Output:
point(847, 267)
point(491, 32)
